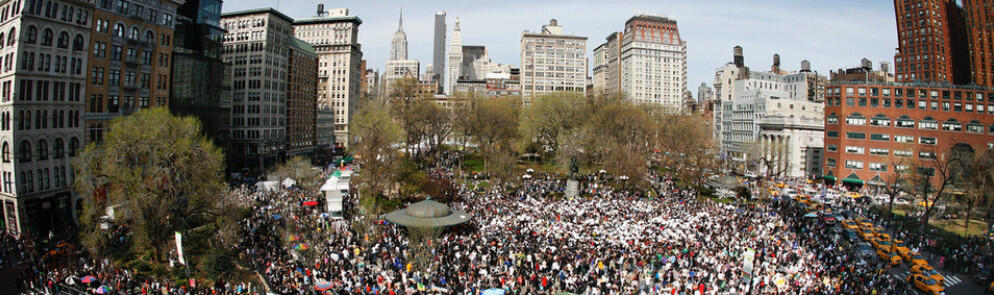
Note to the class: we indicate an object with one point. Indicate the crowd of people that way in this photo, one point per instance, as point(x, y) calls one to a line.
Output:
point(524, 239)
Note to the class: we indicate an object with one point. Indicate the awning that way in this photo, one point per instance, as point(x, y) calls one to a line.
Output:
point(852, 181)
point(829, 177)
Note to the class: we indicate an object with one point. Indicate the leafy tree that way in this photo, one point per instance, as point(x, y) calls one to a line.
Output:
point(160, 169)
point(686, 146)
point(550, 118)
point(492, 123)
point(978, 183)
point(300, 170)
point(374, 134)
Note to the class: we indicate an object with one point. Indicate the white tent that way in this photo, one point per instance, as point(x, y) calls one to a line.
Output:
point(289, 182)
point(267, 186)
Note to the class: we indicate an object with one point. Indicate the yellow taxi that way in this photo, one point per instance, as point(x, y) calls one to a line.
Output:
point(881, 244)
point(902, 249)
point(863, 224)
point(928, 272)
point(849, 224)
point(925, 284)
point(916, 259)
point(866, 234)
point(886, 255)
point(883, 236)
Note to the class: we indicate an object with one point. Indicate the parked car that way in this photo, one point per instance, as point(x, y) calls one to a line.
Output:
point(865, 250)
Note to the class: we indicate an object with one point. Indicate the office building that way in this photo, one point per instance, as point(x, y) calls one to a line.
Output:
point(399, 66)
point(41, 104)
point(257, 46)
point(979, 17)
point(552, 61)
point(334, 35)
point(646, 63)
point(198, 71)
point(454, 64)
point(131, 61)
point(932, 45)
point(301, 102)
point(438, 51)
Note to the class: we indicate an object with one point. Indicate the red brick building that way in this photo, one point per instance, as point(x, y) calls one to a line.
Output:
point(979, 16)
point(870, 127)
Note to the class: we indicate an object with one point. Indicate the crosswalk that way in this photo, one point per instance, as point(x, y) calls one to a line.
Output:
point(950, 280)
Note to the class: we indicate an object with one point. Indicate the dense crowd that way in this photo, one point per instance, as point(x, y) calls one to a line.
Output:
point(527, 239)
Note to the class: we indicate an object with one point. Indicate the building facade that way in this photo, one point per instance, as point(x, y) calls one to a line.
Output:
point(44, 56)
point(301, 100)
point(438, 51)
point(931, 42)
point(131, 64)
point(198, 71)
point(552, 61)
point(651, 62)
point(453, 68)
point(399, 67)
point(257, 46)
point(334, 35)
point(979, 16)
point(873, 129)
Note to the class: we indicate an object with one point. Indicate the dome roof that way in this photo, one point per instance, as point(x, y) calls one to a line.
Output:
point(428, 209)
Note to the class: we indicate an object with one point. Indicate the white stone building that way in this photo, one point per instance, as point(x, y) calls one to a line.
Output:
point(647, 63)
point(334, 35)
point(552, 61)
point(454, 61)
point(43, 77)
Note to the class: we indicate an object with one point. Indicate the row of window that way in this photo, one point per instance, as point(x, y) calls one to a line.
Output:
point(927, 123)
point(42, 153)
point(41, 90)
point(884, 137)
point(42, 120)
point(874, 166)
point(44, 179)
point(50, 9)
point(911, 93)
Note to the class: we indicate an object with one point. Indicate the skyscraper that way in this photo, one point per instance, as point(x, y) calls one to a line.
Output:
point(452, 73)
point(646, 63)
point(198, 70)
point(979, 15)
point(399, 66)
point(931, 42)
point(334, 35)
point(438, 53)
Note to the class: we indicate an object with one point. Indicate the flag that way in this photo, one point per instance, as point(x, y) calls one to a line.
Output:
point(179, 248)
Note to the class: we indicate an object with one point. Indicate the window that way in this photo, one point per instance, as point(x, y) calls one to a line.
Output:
point(927, 140)
point(926, 155)
point(73, 146)
point(854, 150)
point(25, 151)
point(46, 37)
point(835, 134)
point(32, 35)
point(150, 37)
point(904, 139)
point(921, 104)
point(829, 162)
point(63, 40)
point(6, 152)
point(855, 119)
point(854, 164)
point(78, 43)
point(952, 125)
point(905, 122)
point(880, 137)
point(832, 147)
point(60, 149)
point(42, 150)
point(832, 119)
point(855, 135)
point(879, 167)
point(880, 120)
point(928, 124)
point(134, 33)
point(900, 153)
point(879, 152)
point(119, 30)
point(975, 127)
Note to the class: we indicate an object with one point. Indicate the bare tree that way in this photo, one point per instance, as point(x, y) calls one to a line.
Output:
point(978, 183)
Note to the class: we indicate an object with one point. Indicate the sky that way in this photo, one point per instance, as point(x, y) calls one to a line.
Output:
point(832, 34)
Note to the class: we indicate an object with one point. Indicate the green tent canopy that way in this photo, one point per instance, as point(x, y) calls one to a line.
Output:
point(852, 179)
point(829, 177)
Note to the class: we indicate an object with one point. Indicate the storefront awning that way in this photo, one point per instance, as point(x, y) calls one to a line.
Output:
point(852, 181)
point(829, 177)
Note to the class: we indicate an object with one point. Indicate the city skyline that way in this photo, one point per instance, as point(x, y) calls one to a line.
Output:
point(711, 29)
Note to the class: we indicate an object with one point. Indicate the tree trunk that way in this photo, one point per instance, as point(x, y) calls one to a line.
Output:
point(966, 223)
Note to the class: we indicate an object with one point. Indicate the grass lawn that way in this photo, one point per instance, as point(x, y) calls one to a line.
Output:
point(977, 227)
point(473, 163)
